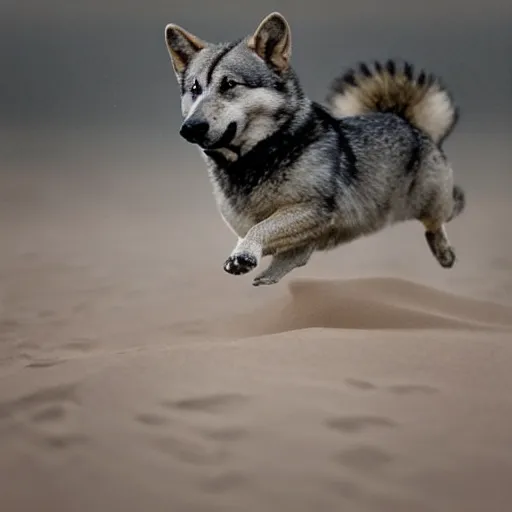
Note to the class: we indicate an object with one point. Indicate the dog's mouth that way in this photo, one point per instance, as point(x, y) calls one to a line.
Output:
point(226, 138)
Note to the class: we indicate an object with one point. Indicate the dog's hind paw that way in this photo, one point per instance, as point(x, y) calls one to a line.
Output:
point(446, 258)
point(442, 251)
point(242, 263)
point(264, 280)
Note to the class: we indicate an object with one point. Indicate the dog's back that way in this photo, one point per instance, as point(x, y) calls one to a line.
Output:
point(396, 122)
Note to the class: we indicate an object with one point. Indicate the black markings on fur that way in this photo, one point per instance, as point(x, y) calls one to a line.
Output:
point(343, 160)
point(279, 115)
point(430, 236)
point(182, 82)
point(271, 155)
point(459, 197)
point(218, 158)
point(408, 71)
point(280, 86)
point(240, 264)
point(350, 172)
point(270, 158)
point(365, 70)
point(255, 80)
point(381, 100)
point(414, 159)
point(459, 202)
point(412, 187)
point(348, 78)
point(269, 50)
point(391, 67)
point(330, 202)
point(217, 60)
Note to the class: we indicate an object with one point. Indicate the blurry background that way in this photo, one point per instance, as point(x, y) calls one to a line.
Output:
point(112, 289)
point(90, 112)
point(87, 71)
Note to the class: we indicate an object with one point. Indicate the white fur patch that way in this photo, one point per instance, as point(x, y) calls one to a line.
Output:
point(193, 107)
point(347, 104)
point(434, 114)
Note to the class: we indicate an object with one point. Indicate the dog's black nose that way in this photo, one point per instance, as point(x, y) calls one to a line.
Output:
point(194, 130)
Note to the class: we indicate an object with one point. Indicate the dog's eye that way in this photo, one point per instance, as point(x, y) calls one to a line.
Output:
point(196, 89)
point(227, 84)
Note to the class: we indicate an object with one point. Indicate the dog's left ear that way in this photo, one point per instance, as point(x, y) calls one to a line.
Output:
point(272, 41)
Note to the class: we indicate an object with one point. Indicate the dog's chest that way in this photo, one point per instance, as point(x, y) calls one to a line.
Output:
point(239, 221)
point(236, 213)
point(249, 191)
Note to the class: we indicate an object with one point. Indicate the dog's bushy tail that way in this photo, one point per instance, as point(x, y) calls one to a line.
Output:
point(420, 98)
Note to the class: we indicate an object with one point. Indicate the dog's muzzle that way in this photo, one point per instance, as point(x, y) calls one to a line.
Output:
point(225, 140)
point(196, 132)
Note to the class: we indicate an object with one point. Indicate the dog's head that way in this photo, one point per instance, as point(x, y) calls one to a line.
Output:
point(232, 95)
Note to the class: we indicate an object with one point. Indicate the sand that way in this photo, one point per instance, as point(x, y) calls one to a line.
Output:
point(135, 375)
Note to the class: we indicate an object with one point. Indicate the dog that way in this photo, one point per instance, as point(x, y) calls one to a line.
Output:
point(292, 176)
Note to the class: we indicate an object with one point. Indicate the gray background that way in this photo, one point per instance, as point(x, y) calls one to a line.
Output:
point(101, 68)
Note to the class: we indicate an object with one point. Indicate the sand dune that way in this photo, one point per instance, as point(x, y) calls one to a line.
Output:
point(369, 304)
point(138, 377)
point(374, 394)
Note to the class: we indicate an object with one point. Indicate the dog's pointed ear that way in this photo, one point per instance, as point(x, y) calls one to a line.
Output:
point(182, 46)
point(272, 41)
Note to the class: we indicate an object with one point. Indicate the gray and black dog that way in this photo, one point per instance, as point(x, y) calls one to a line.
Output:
point(291, 176)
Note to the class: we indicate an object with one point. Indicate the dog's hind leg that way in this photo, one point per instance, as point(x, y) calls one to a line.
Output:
point(439, 244)
point(437, 201)
point(282, 264)
point(441, 210)
point(459, 202)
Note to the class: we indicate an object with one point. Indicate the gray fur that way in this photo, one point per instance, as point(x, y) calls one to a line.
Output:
point(289, 177)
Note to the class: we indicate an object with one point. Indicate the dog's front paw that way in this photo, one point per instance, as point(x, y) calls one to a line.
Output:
point(241, 263)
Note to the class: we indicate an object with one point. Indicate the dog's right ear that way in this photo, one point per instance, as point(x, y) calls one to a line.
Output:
point(182, 47)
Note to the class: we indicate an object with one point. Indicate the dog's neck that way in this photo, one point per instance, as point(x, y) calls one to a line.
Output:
point(241, 173)
point(260, 130)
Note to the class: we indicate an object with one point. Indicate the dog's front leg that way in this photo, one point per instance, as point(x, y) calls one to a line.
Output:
point(289, 228)
point(283, 263)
